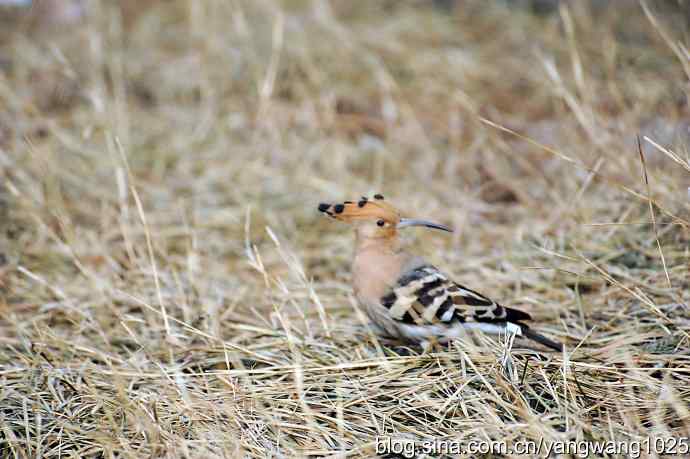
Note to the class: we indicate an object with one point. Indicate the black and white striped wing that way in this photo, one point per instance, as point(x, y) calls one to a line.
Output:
point(425, 296)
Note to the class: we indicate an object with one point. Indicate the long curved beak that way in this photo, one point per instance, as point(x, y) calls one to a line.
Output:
point(407, 222)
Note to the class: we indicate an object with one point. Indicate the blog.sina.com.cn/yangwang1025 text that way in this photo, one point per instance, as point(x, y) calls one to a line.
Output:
point(679, 446)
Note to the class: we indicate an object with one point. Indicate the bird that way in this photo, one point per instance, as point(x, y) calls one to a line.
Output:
point(406, 297)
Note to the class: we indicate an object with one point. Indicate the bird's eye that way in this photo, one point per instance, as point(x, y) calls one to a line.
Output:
point(380, 223)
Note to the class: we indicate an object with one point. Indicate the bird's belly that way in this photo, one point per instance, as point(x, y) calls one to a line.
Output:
point(386, 325)
point(421, 333)
point(381, 318)
point(445, 333)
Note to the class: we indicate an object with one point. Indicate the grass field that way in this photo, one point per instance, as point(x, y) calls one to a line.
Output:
point(168, 288)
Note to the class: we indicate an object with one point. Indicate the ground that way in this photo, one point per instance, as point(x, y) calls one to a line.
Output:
point(169, 289)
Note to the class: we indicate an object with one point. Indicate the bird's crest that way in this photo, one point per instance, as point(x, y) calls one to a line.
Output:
point(349, 211)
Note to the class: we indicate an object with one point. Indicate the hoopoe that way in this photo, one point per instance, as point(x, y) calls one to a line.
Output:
point(406, 297)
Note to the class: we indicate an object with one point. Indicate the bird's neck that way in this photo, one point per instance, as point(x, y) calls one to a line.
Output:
point(381, 245)
point(376, 266)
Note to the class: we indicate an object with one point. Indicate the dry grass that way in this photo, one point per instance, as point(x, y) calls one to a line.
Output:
point(168, 289)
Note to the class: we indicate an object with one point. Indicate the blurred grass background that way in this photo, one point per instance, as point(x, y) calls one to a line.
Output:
point(167, 288)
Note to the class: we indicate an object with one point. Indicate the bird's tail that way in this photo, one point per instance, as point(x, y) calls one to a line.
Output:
point(541, 339)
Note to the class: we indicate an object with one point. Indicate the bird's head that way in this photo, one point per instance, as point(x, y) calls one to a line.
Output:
point(375, 218)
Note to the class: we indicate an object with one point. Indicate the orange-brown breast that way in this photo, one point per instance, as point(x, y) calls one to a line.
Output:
point(375, 270)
